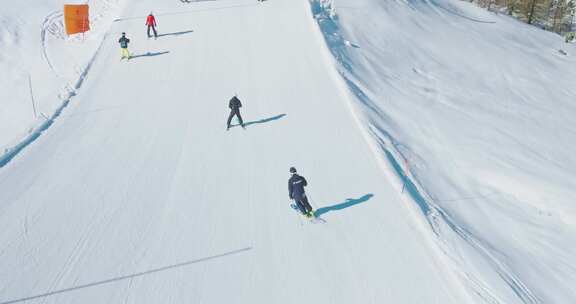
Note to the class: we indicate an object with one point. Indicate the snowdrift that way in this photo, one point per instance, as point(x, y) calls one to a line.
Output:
point(474, 113)
point(42, 67)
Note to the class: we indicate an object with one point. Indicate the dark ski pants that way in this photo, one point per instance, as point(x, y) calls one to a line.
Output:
point(303, 204)
point(153, 29)
point(235, 112)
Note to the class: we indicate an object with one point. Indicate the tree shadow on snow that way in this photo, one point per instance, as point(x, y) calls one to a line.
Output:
point(348, 203)
point(176, 33)
point(261, 121)
point(149, 54)
point(127, 277)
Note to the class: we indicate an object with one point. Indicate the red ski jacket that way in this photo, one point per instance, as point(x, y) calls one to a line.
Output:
point(151, 20)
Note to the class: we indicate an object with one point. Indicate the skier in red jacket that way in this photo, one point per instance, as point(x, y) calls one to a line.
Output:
point(151, 23)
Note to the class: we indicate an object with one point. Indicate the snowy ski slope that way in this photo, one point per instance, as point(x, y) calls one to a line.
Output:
point(137, 194)
point(40, 64)
point(436, 137)
point(475, 112)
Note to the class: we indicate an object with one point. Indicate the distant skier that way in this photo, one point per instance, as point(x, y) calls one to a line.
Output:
point(296, 185)
point(151, 23)
point(124, 46)
point(235, 106)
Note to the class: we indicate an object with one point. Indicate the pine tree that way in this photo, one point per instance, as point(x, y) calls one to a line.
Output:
point(535, 11)
point(554, 15)
point(562, 15)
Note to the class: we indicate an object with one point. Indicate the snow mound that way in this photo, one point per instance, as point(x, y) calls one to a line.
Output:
point(474, 112)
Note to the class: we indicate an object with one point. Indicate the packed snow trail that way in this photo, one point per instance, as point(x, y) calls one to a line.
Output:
point(138, 194)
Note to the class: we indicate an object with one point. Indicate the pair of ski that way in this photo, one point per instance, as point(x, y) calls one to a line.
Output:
point(313, 218)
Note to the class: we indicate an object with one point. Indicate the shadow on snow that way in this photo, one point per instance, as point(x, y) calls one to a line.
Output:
point(176, 33)
point(149, 54)
point(348, 203)
point(10, 153)
point(126, 277)
point(261, 121)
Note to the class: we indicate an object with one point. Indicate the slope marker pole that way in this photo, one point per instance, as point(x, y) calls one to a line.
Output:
point(32, 95)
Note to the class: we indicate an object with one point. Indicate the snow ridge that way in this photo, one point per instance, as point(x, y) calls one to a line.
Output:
point(388, 148)
point(69, 75)
point(9, 154)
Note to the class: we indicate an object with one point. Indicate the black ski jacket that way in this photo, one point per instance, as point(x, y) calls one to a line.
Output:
point(235, 103)
point(124, 42)
point(296, 185)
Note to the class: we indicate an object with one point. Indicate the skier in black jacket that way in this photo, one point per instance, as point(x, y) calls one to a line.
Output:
point(235, 106)
point(124, 46)
point(296, 185)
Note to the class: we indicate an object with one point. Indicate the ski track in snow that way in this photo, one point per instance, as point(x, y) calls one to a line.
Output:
point(9, 154)
point(68, 76)
point(52, 24)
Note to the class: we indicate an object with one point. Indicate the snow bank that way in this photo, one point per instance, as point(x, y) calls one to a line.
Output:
point(474, 112)
point(138, 191)
point(42, 67)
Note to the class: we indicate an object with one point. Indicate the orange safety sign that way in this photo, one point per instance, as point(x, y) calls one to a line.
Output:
point(76, 18)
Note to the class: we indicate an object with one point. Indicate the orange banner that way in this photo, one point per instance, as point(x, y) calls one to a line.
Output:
point(76, 18)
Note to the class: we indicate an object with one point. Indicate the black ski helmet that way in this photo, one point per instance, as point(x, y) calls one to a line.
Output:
point(292, 170)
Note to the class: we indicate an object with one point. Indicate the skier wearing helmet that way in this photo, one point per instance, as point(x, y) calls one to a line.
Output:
point(124, 46)
point(296, 185)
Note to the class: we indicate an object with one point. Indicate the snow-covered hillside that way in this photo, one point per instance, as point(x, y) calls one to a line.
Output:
point(478, 110)
point(138, 194)
point(41, 65)
point(435, 138)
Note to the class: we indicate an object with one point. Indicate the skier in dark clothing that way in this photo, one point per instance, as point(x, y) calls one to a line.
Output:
point(235, 106)
point(124, 46)
point(296, 185)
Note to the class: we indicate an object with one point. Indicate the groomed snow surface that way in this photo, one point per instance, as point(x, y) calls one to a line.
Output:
point(42, 67)
point(435, 138)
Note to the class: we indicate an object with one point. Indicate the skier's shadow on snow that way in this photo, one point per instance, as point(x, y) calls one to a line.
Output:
point(348, 203)
point(261, 121)
point(128, 277)
point(148, 54)
point(176, 33)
